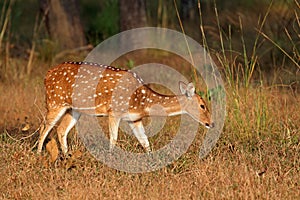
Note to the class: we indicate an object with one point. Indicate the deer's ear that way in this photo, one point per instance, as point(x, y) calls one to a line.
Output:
point(187, 89)
point(190, 90)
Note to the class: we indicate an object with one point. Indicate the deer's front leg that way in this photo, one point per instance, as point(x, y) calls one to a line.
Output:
point(113, 130)
point(139, 132)
point(52, 117)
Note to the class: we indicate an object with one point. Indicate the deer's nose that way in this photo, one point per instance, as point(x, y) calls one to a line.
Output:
point(210, 125)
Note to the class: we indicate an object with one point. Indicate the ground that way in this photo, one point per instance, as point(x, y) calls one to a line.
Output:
point(257, 156)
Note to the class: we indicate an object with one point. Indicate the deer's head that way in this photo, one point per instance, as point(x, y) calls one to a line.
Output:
point(194, 105)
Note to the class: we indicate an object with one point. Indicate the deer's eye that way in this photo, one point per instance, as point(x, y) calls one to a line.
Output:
point(202, 106)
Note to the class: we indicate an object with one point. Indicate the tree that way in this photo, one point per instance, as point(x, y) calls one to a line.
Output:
point(132, 14)
point(63, 22)
point(187, 9)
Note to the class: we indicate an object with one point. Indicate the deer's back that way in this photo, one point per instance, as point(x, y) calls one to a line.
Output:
point(83, 85)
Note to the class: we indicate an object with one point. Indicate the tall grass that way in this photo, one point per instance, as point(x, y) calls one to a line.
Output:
point(294, 57)
point(250, 115)
point(5, 19)
point(10, 69)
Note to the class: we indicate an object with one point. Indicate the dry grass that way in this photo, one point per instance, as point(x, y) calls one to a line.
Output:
point(257, 157)
point(266, 172)
point(20, 102)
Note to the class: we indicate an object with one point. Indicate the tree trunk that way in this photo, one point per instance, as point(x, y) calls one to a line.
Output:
point(132, 14)
point(63, 23)
point(188, 9)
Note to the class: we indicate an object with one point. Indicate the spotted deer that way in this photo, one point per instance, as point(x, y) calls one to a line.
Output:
point(76, 88)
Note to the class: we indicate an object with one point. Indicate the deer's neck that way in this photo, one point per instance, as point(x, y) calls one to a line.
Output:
point(157, 104)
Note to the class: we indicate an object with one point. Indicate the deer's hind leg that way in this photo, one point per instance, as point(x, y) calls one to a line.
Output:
point(113, 123)
point(139, 132)
point(53, 116)
point(67, 123)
